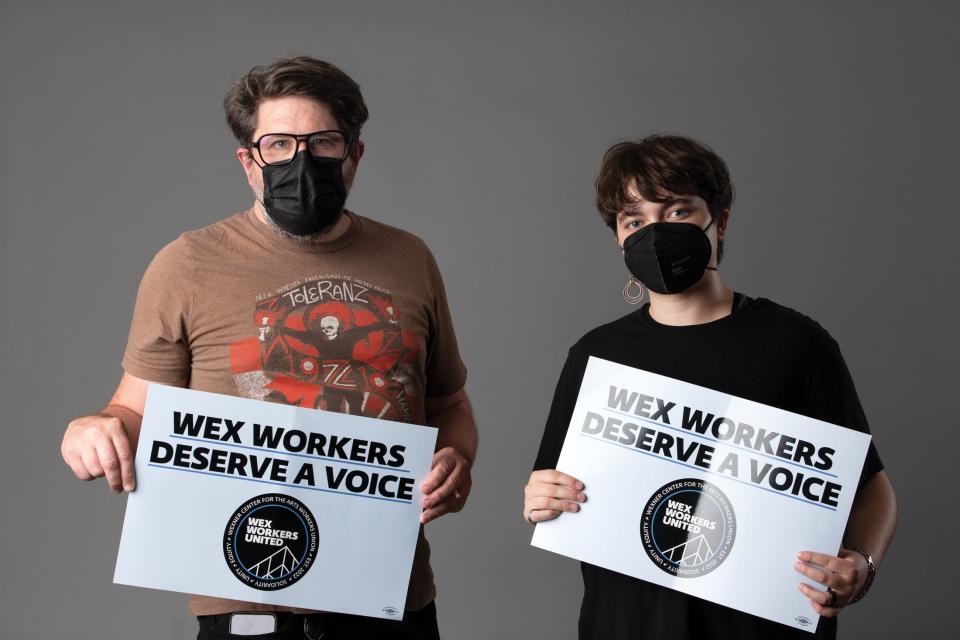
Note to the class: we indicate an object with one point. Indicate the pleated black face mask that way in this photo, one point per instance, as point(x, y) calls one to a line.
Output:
point(306, 195)
point(668, 257)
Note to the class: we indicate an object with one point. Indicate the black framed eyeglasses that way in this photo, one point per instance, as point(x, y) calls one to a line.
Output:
point(280, 148)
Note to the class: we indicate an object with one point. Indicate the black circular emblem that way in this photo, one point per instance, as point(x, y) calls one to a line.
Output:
point(688, 527)
point(270, 541)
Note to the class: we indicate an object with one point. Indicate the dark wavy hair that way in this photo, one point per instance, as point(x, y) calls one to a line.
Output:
point(658, 165)
point(299, 76)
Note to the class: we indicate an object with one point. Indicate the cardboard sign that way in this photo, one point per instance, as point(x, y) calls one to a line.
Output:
point(265, 502)
point(703, 492)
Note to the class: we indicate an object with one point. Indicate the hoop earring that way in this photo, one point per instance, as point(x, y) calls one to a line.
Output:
point(630, 298)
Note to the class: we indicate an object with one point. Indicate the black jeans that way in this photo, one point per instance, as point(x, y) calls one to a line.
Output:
point(416, 625)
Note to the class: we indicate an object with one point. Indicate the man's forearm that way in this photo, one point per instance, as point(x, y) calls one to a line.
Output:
point(456, 428)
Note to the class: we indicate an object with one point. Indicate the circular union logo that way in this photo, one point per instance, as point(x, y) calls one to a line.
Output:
point(688, 527)
point(270, 542)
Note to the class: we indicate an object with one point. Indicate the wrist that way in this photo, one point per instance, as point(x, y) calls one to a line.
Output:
point(871, 574)
point(458, 450)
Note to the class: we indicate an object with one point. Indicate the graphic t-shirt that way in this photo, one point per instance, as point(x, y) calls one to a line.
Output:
point(358, 325)
point(762, 352)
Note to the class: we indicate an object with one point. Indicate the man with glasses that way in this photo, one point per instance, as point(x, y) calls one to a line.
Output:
point(297, 300)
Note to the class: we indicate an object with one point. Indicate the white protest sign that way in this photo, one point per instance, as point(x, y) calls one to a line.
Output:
point(703, 492)
point(265, 502)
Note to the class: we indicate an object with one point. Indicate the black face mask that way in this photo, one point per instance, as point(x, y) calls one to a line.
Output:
point(306, 195)
point(668, 257)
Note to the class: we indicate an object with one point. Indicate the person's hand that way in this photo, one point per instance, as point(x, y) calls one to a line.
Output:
point(446, 487)
point(842, 575)
point(98, 445)
point(549, 493)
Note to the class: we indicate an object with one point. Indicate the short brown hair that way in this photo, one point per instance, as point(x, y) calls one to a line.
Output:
point(299, 76)
point(659, 164)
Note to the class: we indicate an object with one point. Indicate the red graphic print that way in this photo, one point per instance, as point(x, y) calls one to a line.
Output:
point(329, 344)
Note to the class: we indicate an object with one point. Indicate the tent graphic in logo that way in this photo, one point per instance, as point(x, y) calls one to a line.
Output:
point(279, 564)
point(270, 542)
point(690, 553)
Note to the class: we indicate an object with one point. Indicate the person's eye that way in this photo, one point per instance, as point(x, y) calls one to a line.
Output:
point(321, 141)
point(279, 144)
point(632, 224)
point(678, 213)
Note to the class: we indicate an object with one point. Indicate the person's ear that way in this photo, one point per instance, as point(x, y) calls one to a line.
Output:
point(616, 237)
point(722, 221)
point(250, 166)
point(357, 152)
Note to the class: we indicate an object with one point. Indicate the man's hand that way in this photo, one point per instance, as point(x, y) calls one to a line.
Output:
point(98, 445)
point(105, 444)
point(549, 493)
point(447, 486)
point(844, 575)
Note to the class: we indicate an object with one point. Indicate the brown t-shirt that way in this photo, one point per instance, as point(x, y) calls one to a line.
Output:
point(358, 324)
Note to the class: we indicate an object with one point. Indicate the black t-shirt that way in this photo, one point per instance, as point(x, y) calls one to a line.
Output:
point(762, 352)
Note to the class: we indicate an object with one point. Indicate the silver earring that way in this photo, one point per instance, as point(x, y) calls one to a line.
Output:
point(633, 298)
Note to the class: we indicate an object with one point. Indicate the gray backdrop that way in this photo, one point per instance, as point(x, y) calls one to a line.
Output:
point(488, 122)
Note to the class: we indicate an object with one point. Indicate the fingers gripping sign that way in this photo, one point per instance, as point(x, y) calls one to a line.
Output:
point(842, 576)
point(549, 493)
point(447, 486)
point(98, 446)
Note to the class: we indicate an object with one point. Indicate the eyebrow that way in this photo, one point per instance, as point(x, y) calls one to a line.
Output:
point(666, 204)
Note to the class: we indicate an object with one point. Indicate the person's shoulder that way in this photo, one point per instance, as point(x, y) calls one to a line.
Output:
point(215, 233)
point(175, 254)
point(179, 252)
point(598, 339)
point(398, 239)
point(789, 324)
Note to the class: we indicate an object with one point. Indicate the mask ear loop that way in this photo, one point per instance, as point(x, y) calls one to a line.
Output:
point(712, 219)
point(263, 183)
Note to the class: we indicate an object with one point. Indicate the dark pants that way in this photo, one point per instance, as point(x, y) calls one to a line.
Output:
point(416, 625)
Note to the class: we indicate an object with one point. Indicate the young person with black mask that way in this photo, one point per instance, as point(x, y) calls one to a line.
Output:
point(667, 199)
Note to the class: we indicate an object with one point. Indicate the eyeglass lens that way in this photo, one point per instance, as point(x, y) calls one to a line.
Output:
point(280, 147)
